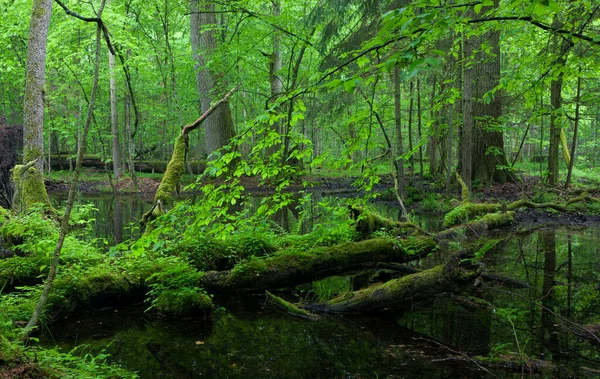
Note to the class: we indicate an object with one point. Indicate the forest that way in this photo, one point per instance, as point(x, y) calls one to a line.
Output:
point(293, 189)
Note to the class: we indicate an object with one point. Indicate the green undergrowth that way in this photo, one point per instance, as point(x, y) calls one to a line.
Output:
point(34, 362)
point(18, 361)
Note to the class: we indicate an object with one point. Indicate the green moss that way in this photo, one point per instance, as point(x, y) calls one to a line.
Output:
point(21, 270)
point(379, 294)
point(183, 301)
point(175, 170)
point(290, 308)
point(249, 270)
point(497, 220)
point(293, 265)
point(29, 189)
point(467, 212)
point(210, 254)
point(77, 287)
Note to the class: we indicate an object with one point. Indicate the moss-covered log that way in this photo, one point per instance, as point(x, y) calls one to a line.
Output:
point(368, 222)
point(403, 293)
point(290, 308)
point(292, 268)
point(473, 212)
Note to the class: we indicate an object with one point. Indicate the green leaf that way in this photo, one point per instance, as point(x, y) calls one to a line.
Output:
point(477, 8)
point(350, 85)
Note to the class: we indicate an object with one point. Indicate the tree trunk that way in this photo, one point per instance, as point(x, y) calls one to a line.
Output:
point(410, 133)
point(466, 142)
point(432, 146)
point(419, 129)
point(488, 141)
point(403, 293)
point(114, 120)
point(575, 131)
point(290, 269)
point(398, 123)
point(219, 126)
point(555, 126)
point(35, 78)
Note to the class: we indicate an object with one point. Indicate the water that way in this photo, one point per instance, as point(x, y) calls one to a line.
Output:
point(253, 339)
point(116, 216)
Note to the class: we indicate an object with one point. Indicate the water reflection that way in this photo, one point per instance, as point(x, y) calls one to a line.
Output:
point(116, 216)
point(542, 322)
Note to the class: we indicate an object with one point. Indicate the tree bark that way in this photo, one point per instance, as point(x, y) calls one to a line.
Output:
point(575, 131)
point(466, 143)
point(488, 141)
point(219, 126)
point(35, 78)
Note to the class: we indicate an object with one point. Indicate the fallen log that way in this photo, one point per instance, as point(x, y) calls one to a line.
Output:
point(468, 212)
point(293, 268)
point(368, 222)
point(403, 293)
point(291, 308)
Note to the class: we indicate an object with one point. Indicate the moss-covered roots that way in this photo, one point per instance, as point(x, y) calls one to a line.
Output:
point(292, 268)
point(29, 189)
point(401, 294)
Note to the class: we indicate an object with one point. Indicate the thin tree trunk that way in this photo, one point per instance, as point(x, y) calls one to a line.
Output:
point(555, 121)
point(275, 79)
point(467, 129)
point(398, 123)
point(114, 120)
point(410, 133)
point(64, 225)
point(575, 130)
point(432, 147)
point(420, 131)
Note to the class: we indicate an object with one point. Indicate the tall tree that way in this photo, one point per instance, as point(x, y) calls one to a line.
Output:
point(33, 107)
point(114, 123)
point(218, 126)
point(488, 140)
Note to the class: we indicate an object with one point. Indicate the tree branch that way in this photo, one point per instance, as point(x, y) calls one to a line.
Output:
point(188, 128)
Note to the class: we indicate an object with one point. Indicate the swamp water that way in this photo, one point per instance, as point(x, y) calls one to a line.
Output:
point(550, 324)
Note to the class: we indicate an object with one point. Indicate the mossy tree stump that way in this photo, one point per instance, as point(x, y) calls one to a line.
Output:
point(29, 189)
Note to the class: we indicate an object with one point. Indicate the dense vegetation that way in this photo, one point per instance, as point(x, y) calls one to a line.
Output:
point(485, 112)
